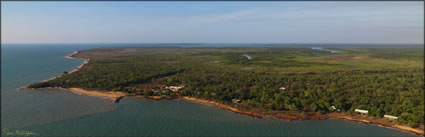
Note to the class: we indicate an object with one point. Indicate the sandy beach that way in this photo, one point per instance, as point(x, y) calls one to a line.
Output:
point(406, 128)
point(70, 55)
point(258, 115)
point(388, 125)
point(79, 67)
point(86, 61)
point(155, 97)
point(113, 95)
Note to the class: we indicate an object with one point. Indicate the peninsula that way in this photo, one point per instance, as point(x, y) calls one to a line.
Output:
point(287, 83)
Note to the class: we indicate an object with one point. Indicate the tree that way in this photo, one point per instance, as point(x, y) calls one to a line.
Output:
point(149, 93)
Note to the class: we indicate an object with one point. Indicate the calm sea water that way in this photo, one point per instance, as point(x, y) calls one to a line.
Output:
point(63, 113)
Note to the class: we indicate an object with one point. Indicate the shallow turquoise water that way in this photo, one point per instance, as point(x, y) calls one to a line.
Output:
point(63, 113)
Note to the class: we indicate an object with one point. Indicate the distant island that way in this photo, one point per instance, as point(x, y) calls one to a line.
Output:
point(383, 86)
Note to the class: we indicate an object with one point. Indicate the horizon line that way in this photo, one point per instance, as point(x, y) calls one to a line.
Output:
point(213, 43)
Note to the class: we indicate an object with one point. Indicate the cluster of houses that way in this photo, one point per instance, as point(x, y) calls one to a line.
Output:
point(338, 110)
point(361, 111)
point(171, 88)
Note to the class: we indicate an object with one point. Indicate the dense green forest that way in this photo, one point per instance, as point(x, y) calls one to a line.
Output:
point(381, 80)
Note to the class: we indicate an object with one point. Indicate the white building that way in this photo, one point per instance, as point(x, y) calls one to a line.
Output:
point(282, 88)
point(361, 111)
point(390, 117)
point(334, 108)
point(236, 101)
point(174, 88)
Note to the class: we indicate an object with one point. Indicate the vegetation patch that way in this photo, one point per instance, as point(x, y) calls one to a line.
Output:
point(387, 81)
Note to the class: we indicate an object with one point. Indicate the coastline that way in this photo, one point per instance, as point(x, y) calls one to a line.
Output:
point(86, 61)
point(393, 126)
point(115, 96)
point(222, 106)
point(322, 117)
point(69, 56)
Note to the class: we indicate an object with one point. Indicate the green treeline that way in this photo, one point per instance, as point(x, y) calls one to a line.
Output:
point(396, 92)
point(113, 73)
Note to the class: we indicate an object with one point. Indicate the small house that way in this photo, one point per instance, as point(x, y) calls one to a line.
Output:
point(390, 117)
point(282, 88)
point(361, 111)
point(236, 101)
point(334, 108)
point(174, 88)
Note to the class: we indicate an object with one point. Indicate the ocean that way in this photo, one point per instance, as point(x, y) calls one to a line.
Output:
point(53, 112)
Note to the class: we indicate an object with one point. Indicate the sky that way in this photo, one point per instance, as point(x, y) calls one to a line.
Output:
point(212, 22)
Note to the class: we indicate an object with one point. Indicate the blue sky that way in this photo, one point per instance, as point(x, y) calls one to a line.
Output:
point(212, 22)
